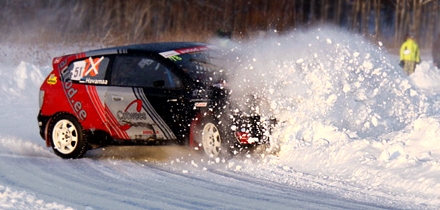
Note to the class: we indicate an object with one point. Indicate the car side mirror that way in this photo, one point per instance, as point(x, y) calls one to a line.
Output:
point(159, 83)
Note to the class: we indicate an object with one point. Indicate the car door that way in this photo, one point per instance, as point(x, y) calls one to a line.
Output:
point(143, 100)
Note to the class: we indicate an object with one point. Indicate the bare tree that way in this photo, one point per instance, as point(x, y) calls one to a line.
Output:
point(338, 12)
point(365, 17)
point(377, 10)
point(356, 7)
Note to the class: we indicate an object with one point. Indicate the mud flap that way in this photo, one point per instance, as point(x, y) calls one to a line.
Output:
point(192, 135)
point(46, 135)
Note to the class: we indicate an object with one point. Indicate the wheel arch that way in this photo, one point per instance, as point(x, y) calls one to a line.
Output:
point(194, 125)
point(227, 139)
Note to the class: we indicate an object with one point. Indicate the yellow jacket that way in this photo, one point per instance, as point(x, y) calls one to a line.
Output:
point(410, 51)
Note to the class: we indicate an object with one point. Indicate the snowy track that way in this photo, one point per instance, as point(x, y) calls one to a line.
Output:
point(133, 184)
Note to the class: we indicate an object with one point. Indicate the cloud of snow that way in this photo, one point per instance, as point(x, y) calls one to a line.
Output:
point(329, 78)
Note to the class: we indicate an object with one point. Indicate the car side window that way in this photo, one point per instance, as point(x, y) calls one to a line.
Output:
point(141, 71)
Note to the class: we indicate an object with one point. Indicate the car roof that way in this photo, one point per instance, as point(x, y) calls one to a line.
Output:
point(156, 47)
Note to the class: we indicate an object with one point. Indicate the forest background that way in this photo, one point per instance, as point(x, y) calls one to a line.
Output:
point(116, 22)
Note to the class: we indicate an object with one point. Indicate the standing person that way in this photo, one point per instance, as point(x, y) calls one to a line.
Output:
point(409, 54)
point(224, 37)
point(436, 52)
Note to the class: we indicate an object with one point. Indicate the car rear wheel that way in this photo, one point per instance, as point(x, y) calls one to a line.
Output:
point(67, 137)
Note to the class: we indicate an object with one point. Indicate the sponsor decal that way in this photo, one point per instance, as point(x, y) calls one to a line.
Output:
point(127, 116)
point(168, 54)
point(93, 81)
point(150, 132)
point(92, 66)
point(52, 80)
point(62, 64)
point(201, 104)
point(192, 50)
point(70, 92)
point(171, 54)
point(175, 58)
point(145, 62)
point(57, 60)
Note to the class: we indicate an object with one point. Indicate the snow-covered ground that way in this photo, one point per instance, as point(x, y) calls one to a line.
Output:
point(355, 133)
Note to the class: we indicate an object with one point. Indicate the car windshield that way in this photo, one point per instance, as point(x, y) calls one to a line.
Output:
point(203, 66)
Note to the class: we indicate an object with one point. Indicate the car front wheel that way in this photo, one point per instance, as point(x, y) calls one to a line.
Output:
point(67, 137)
point(213, 139)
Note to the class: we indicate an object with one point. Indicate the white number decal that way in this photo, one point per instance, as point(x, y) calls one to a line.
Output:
point(77, 71)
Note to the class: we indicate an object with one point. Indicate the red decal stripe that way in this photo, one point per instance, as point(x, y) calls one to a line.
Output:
point(94, 97)
point(115, 125)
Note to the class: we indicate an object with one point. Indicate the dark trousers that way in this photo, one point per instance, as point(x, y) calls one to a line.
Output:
point(409, 67)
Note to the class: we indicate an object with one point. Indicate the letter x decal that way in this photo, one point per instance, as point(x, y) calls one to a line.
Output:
point(94, 65)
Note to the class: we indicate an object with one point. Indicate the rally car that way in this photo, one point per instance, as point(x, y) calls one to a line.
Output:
point(144, 94)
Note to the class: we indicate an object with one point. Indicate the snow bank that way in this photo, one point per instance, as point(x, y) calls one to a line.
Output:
point(13, 199)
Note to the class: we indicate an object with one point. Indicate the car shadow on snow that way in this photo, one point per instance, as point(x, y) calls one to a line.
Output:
point(145, 153)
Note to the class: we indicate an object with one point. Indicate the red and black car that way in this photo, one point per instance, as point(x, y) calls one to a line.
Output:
point(145, 94)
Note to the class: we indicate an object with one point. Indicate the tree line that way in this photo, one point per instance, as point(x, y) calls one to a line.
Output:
point(136, 21)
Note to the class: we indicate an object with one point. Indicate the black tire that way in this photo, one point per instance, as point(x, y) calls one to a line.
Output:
point(213, 138)
point(67, 137)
